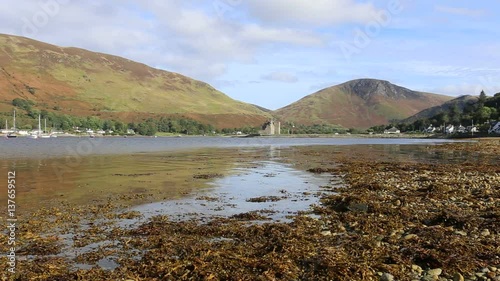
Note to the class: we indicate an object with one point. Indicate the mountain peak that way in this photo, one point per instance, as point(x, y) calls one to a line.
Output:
point(369, 88)
point(359, 103)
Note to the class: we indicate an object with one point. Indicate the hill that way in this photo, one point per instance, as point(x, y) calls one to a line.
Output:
point(84, 83)
point(359, 103)
point(481, 111)
point(461, 103)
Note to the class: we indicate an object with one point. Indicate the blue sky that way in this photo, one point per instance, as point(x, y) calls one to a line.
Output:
point(274, 52)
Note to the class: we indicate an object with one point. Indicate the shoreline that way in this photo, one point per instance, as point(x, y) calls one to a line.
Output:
point(391, 218)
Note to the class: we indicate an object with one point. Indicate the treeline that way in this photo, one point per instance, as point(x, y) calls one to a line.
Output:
point(149, 127)
point(291, 128)
point(480, 113)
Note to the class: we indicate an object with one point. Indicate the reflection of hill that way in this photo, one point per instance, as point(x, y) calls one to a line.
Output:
point(134, 179)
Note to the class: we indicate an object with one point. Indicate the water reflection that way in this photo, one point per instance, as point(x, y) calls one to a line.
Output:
point(162, 176)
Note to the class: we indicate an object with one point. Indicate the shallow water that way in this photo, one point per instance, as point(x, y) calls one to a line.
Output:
point(284, 190)
point(75, 147)
point(116, 168)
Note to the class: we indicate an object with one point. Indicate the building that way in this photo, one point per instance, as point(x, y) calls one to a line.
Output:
point(271, 127)
point(392, 130)
point(494, 129)
point(430, 129)
point(461, 129)
point(449, 129)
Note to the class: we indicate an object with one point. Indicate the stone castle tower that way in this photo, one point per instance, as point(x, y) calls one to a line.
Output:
point(271, 127)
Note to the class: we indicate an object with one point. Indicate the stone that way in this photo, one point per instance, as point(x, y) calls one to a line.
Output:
point(458, 277)
point(416, 268)
point(386, 277)
point(485, 232)
point(461, 233)
point(410, 236)
point(326, 233)
point(434, 272)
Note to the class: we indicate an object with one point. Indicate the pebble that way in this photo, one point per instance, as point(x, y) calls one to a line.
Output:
point(485, 270)
point(326, 233)
point(410, 236)
point(416, 268)
point(458, 277)
point(386, 277)
point(485, 232)
point(434, 272)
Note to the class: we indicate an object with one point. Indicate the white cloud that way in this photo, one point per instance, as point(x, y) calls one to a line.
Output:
point(281, 77)
point(467, 89)
point(172, 34)
point(318, 12)
point(460, 11)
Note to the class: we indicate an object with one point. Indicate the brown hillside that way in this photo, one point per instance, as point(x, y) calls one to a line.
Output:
point(359, 103)
point(79, 82)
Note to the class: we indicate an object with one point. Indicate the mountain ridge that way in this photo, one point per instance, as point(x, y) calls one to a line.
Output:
point(359, 103)
point(79, 82)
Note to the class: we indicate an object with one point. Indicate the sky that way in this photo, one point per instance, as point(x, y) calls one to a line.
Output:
point(274, 52)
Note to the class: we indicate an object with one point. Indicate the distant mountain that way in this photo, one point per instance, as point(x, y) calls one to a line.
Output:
point(359, 103)
point(83, 83)
point(461, 102)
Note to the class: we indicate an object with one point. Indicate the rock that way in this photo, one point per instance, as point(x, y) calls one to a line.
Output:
point(358, 207)
point(485, 270)
point(386, 277)
point(410, 236)
point(491, 274)
point(430, 278)
point(461, 233)
point(326, 233)
point(458, 277)
point(485, 232)
point(493, 269)
point(434, 272)
point(416, 268)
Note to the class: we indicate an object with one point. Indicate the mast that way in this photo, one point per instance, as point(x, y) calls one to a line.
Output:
point(14, 120)
point(39, 125)
point(45, 120)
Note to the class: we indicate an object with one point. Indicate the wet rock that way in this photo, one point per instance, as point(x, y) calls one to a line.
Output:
point(434, 272)
point(387, 277)
point(358, 207)
point(458, 277)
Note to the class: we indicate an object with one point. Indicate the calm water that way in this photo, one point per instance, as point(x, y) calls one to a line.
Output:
point(167, 175)
point(69, 146)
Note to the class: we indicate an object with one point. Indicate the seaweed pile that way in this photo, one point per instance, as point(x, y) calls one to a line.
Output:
point(389, 220)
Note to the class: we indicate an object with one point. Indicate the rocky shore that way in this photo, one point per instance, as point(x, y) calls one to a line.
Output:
point(381, 218)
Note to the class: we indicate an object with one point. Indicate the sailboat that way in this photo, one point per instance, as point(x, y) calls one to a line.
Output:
point(38, 133)
point(13, 134)
point(44, 135)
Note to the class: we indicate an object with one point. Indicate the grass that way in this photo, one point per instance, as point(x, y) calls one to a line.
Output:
point(89, 81)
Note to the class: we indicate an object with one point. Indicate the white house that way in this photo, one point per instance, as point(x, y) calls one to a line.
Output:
point(430, 129)
point(472, 129)
point(461, 129)
point(392, 130)
point(449, 129)
point(495, 129)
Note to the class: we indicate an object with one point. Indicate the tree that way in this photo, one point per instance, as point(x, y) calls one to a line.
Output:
point(454, 114)
point(482, 100)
